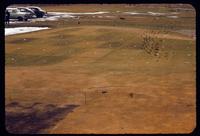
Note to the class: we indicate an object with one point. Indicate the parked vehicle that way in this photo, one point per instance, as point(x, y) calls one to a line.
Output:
point(27, 10)
point(38, 11)
point(17, 14)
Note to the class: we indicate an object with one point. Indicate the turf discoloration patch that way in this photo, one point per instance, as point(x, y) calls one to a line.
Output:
point(27, 60)
point(63, 40)
point(21, 59)
point(32, 119)
point(22, 40)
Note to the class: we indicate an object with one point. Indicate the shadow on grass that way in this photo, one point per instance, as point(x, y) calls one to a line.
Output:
point(35, 118)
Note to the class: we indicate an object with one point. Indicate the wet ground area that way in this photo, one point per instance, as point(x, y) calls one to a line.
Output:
point(22, 119)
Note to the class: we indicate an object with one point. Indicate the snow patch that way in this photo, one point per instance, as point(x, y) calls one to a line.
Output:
point(110, 16)
point(72, 13)
point(54, 16)
point(146, 13)
point(156, 13)
point(135, 13)
point(172, 16)
point(20, 30)
point(169, 15)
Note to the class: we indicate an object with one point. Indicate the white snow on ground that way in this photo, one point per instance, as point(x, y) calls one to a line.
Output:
point(172, 16)
point(53, 16)
point(135, 13)
point(19, 30)
point(175, 13)
point(110, 16)
point(56, 15)
point(72, 13)
point(154, 14)
point(146, 13)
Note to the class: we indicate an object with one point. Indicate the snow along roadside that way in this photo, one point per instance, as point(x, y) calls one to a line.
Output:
point(20, 30)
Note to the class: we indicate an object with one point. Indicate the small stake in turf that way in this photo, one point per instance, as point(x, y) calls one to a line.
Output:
point(85, 97)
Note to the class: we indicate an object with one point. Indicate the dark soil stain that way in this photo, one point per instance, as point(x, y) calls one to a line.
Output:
point(122, 18)
point(35, 118)
point(103, 92)
point(131, 95)
point(12, 104)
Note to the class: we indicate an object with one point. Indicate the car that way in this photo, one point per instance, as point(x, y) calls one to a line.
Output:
point(38, 11)
point(24, 9)
point(17, 14)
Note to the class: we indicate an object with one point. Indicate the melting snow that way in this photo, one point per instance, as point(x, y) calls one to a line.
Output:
point(135, 13)
point(172, 16)
point(147, 13)
point(53, 16)
point(175, 13)
point(19, 30)
point(110, 16)
point(71, 13)
point(156, 13)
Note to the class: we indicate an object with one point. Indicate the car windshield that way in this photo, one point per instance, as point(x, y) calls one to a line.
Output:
point(26, 10)
point(34, 9)
point(39, 8)
point(23, 10)
point(14, 10)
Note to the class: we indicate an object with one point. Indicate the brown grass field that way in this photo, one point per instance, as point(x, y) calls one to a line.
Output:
point(100, 76)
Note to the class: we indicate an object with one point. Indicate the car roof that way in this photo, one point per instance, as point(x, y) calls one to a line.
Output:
point(35, 7)
point(11, 8)
point(22, 7)
point(28, 9)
